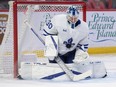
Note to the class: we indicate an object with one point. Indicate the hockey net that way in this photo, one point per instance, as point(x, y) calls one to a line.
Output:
point(20, 44)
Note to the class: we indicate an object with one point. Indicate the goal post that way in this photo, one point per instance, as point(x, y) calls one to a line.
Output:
point(19, 42)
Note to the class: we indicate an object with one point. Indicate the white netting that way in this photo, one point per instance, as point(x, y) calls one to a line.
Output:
point(49, 8)
point(6, 49)
point(37, 15)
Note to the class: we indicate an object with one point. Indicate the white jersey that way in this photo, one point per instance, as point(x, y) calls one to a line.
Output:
point(77, 37)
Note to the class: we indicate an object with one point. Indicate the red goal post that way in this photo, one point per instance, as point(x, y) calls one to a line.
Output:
point(19, 41)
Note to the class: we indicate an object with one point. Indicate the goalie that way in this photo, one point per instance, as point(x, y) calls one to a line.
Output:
point(66, 37)
point(72, 34)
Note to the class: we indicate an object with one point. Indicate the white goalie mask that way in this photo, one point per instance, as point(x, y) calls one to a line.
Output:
point(72, 15)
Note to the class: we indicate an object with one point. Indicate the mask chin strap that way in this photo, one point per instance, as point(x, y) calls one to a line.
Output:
point(73, 25)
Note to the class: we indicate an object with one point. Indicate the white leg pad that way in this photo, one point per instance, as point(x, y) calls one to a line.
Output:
point(48, 72)
point(39, 71)
point(97, 67)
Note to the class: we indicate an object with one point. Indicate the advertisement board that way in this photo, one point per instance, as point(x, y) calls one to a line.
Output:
point(102, 35)
point(3, 22)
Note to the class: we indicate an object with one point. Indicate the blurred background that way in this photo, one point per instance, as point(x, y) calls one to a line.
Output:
point(91, 4)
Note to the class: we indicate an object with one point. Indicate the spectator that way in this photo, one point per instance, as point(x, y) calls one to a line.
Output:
point(108, 3)
point(114, 4)
point(3, 4)
point(95, 4)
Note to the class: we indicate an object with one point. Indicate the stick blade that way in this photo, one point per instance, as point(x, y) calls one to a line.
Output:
point(82, 76)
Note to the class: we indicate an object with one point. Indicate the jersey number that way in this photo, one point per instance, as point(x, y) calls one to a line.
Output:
point(49, 24)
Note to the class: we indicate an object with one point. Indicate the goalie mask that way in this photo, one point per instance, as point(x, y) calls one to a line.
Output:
point(72, 15)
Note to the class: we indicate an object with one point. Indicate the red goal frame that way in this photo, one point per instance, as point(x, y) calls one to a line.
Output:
point(15, 24)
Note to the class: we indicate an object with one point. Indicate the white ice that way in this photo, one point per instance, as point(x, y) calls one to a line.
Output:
point(109, 81)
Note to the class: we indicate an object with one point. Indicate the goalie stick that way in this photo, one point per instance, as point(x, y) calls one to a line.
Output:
point(63, 66)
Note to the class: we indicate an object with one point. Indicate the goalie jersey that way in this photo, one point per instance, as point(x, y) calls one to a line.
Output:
point(68, 38)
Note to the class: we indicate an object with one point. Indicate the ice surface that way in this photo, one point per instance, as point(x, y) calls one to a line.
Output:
point(109, 81)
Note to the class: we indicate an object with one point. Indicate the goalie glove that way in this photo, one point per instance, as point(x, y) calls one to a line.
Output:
point(80, 56)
